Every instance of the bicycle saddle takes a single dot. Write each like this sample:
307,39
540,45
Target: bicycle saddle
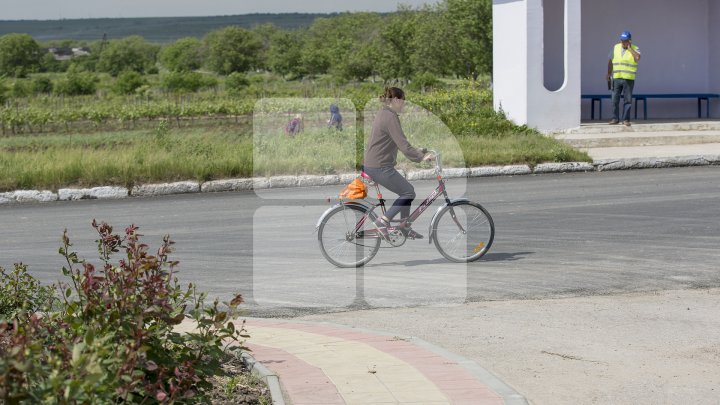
366,177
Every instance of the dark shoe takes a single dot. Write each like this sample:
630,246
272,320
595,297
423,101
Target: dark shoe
410,233
627,123
614,122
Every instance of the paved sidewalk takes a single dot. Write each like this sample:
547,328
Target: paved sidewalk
710,150
677,140
320,363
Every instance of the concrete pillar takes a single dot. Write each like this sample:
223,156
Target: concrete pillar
519,77
714,57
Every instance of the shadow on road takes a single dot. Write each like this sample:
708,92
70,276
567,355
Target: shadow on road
504,257
409,263
490,257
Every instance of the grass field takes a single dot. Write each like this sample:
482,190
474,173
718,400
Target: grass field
100,141
123,158
172,154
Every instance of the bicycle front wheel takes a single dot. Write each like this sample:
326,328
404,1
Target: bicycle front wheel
463,231
347,236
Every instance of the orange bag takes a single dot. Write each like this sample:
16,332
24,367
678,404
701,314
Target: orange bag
356,190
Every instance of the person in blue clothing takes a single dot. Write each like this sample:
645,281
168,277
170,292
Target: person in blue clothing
335,118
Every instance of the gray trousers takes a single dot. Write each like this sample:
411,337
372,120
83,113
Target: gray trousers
389,178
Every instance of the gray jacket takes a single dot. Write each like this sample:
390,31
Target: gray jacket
386,138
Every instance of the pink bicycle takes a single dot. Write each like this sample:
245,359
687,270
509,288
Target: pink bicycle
462,230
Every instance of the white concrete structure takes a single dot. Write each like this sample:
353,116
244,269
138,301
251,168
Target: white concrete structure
546,53
528,91
714,45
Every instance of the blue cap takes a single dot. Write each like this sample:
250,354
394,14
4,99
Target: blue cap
625,35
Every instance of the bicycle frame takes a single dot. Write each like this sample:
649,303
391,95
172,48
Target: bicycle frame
447,234
440,189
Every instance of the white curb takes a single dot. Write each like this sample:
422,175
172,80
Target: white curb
5,198
259,183
226,185
180,187
564,167
425,174
646,163
283,181
67,194
346,178
455,173
32,196
313,181
271,379
510,170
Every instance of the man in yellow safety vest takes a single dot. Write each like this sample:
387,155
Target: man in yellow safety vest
622,69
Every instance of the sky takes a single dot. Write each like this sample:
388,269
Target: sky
67,9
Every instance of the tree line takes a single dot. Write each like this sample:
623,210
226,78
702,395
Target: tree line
449,38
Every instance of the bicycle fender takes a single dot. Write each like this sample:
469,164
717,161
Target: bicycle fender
432,221
348,203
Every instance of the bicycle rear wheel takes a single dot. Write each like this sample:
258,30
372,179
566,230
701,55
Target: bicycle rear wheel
347,236
463,231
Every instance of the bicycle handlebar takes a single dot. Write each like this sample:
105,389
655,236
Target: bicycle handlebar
438,160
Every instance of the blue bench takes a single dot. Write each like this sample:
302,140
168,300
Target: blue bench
698,96
593,98
643,97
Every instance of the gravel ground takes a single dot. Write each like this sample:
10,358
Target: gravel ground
644,348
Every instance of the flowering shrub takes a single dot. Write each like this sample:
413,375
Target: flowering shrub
111,338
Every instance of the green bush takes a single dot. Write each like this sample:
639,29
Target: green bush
20,88
257,79
112,339
21,293
187,82
3,91
87,63
19,55
76,83
423,81
48,63
232,49
128,82
42,85
236,81
130,53
185,55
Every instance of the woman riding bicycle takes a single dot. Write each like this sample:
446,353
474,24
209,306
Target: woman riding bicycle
386,138
351,233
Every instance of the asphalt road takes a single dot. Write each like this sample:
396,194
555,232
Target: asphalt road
557,235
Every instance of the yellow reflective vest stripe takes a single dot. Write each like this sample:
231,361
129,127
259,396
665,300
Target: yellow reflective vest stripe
624,65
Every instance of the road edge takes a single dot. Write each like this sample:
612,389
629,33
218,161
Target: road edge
260,183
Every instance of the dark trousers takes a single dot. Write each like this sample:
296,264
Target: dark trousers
389,178
624,87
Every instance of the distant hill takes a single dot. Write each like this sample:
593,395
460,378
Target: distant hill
154,29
